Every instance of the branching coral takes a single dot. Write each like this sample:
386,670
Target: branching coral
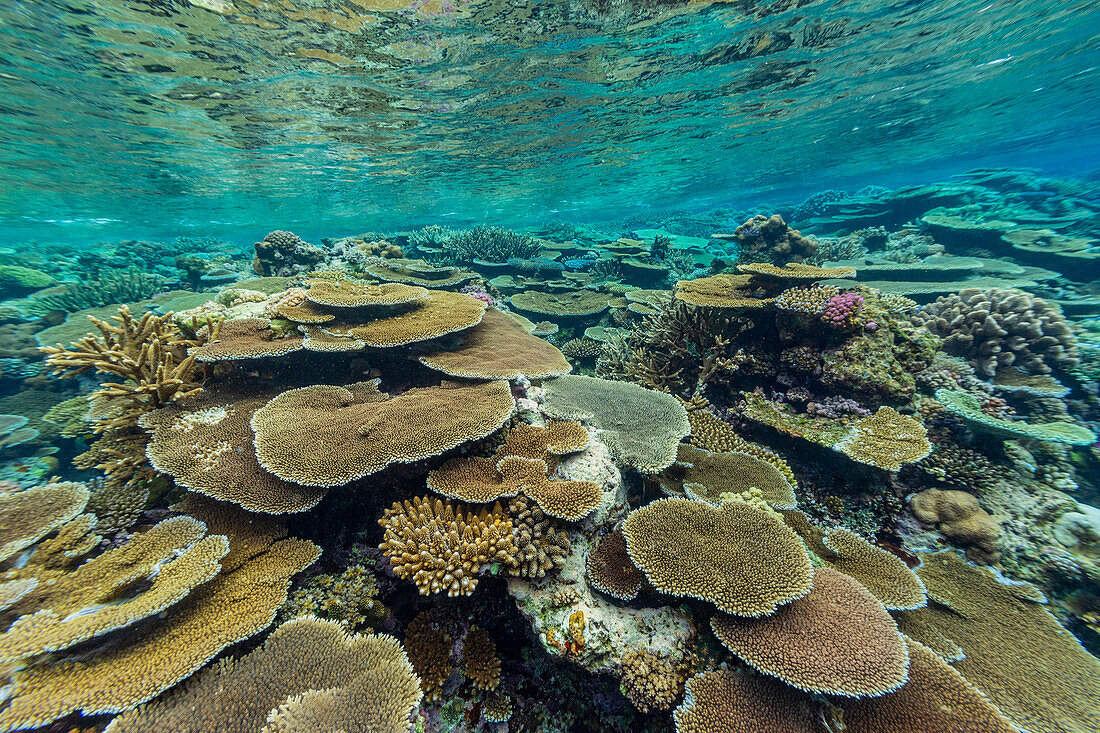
541,544
429,650
651,681
444,546
479,659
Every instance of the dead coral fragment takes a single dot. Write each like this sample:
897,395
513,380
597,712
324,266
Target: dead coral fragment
479,659
744,560
742,702
887,440
610,570
499,348
936,699
28,516
444,546
325,435
308,676
838,640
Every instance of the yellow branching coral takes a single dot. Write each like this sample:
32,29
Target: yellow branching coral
28,516
348,598
936,699
837,640
609,568
496,708
882,573
135,665
742,702
744,560
479,659
650,680
439,314
325,435
805,301
172,558
444,546
205,443
308,676
887,440
1016,652
499,348
429,650
541,544
705,476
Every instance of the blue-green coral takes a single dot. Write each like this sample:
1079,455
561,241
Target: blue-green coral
968,408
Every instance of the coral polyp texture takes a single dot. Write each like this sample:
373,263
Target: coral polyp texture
610,570
499,348
742,702
327,435
887,440
836,640
443,546
742,559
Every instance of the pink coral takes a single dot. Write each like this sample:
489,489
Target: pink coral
840,309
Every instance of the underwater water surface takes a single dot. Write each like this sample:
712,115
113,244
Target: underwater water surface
515,366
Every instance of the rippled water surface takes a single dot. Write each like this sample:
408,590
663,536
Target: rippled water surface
168,114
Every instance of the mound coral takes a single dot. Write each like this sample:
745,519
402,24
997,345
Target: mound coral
769,239
444,546
743,559
999,328
283,254
641,427
961,518
325,435
837,640
308,676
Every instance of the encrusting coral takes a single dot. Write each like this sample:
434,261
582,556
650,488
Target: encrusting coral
743,559
836,640
444,546
309,675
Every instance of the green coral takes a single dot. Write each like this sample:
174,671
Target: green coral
490,243
121,287
23,278
969,409
69,417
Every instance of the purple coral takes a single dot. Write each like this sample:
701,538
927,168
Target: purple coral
841,308
475,291
836,408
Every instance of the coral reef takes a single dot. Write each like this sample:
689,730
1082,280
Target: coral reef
769,239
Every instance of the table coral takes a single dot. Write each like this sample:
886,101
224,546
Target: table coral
610,570
499,348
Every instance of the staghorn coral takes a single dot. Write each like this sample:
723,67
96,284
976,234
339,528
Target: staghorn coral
29,515
651,681
968,408
640,427
743,559
492,244
429,650
325,435
309,675
541,544
886,440
609,569
882,573
998,328
837,640
127,286
149,658
206,444
705,475
729,701
936,699
1033,670
479,659
961,518
499,348
444,546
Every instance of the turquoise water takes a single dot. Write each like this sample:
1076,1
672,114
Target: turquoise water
142,119
585,366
